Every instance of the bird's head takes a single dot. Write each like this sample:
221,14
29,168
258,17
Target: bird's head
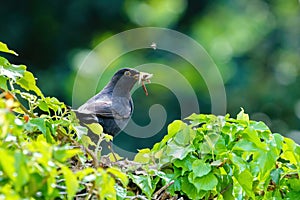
124,79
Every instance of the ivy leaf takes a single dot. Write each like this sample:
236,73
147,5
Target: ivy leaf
207,182
259,126
173,129
119,175
178,152
252,135
189,189
3,82
295,184
143,156
145,183
243,117
289,149
4,48
71,182
39,123
12,72
200,168
276,174
27,82
7,164
95,128
22,172
185,164
184,136
62,154
245,179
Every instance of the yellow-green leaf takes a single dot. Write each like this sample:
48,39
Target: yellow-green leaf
28,82
119,175
4,48
95,128
71,182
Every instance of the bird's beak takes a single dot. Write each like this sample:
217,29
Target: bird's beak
143,76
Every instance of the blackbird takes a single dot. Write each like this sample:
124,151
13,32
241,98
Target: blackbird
112,107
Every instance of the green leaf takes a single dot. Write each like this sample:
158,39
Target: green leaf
200,168
186,163
242,116
276,174
62,154
185,136
289,148
105,184
173,129
39,123
206,182
71,182
177,152
4,48
259,126
143,156
119,175
43,105
22,172
244,145
294,184
3,82
145,183
80,131
7,162
27,82
84,173
12,72
245,179
252,135
189,189
95,128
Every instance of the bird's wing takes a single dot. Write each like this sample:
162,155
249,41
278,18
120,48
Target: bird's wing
118,108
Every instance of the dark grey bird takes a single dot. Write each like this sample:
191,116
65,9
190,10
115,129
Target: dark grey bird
112,107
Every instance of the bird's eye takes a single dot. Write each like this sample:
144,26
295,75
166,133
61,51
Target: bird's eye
127,73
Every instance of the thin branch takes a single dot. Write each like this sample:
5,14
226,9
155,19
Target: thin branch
162,189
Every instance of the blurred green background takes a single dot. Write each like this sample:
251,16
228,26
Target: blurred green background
255,44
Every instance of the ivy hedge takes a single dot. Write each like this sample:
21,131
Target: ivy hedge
44,154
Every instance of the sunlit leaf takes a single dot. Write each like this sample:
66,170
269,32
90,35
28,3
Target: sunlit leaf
95,128
206,182
200,168
119,175
3,82
7,164
4,48
71,182
245,179
63,154
242,116
27,81
39,123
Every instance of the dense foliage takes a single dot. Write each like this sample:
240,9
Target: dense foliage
44,154
255,45
215,156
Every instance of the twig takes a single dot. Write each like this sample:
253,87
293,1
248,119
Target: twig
162,189
226,188
136,197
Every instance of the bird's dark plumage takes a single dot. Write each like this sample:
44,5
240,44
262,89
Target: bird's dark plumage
112,107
